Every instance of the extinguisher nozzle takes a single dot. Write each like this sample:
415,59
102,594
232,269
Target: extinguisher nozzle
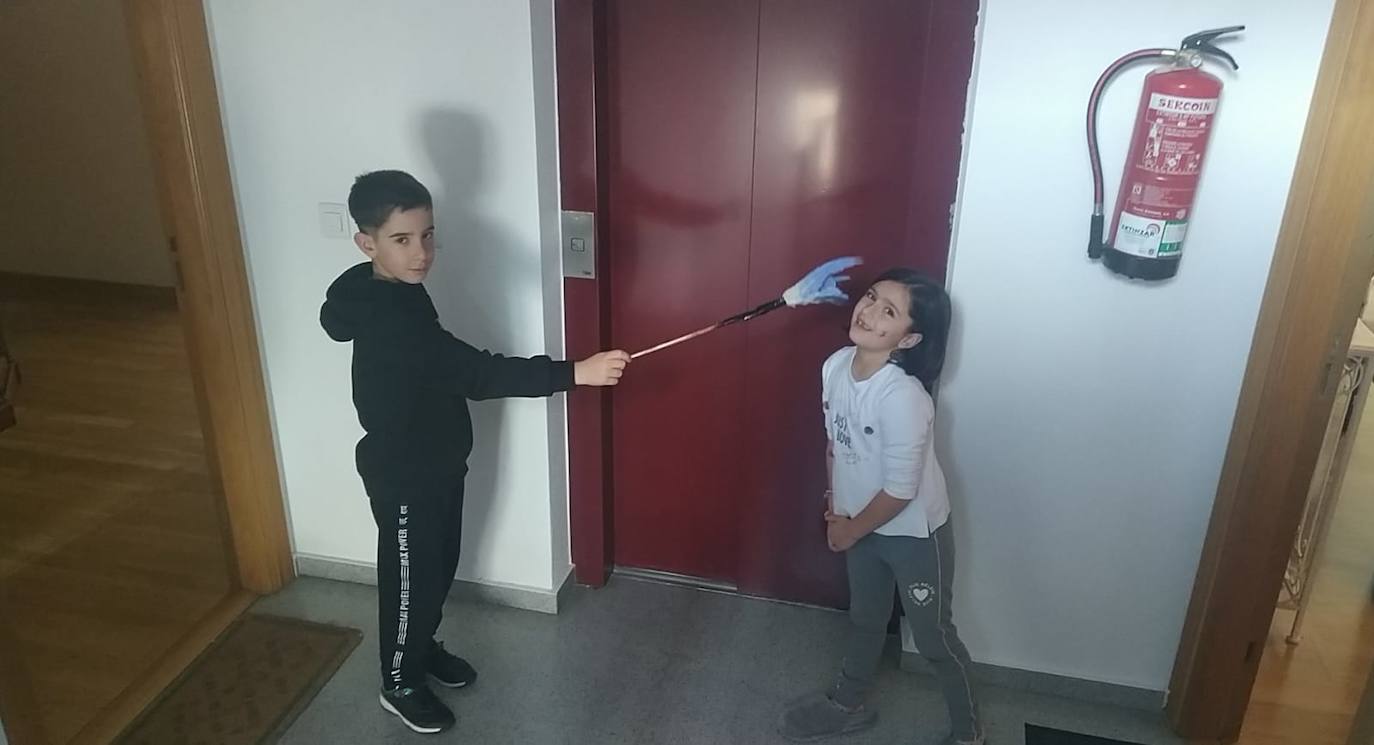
1095,241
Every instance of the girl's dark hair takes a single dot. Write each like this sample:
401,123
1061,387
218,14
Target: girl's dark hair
930,316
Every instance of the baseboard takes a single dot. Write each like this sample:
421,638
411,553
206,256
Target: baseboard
511,596
1078,689
565,589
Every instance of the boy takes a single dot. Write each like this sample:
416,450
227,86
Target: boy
411,383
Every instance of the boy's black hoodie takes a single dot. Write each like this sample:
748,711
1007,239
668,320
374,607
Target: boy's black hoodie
412,379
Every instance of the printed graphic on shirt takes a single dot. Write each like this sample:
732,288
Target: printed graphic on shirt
842,435
844,438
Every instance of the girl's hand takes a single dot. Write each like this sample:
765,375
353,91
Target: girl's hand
839,533
601,369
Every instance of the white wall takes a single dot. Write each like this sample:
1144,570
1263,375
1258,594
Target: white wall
1087,417
315,92
77,191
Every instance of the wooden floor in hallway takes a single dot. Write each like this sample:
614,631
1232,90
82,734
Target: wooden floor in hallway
111,539
1306,694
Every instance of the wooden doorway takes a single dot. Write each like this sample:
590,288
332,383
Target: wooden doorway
180,107
1321,269
172,48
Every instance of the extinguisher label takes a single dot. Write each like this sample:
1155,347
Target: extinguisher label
1178,133
1182,105
1172,242
1149,238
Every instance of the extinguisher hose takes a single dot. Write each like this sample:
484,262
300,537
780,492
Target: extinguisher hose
1096,241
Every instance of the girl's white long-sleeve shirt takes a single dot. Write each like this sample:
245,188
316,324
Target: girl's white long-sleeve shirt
883,433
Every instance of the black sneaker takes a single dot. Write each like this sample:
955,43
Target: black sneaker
448,669
419,708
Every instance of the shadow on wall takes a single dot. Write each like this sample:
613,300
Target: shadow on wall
478,276
945,421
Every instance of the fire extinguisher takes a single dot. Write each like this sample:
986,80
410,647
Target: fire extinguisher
1177,111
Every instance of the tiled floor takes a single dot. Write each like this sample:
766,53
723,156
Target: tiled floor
646,664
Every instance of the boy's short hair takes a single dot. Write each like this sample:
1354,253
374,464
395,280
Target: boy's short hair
377,194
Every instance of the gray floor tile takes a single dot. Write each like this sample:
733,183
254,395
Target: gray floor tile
638,663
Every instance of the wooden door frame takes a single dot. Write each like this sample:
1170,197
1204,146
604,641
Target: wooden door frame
1319,277
171,45
172,60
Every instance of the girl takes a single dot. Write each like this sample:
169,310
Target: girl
888,509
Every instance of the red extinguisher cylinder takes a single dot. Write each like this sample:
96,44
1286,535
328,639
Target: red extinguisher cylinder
1173,126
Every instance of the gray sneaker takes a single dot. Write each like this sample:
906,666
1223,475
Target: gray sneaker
817,717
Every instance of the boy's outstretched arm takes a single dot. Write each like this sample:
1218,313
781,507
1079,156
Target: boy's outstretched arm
479,375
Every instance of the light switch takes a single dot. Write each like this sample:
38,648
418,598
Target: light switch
333,220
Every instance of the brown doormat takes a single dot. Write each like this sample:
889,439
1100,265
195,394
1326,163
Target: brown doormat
248,686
